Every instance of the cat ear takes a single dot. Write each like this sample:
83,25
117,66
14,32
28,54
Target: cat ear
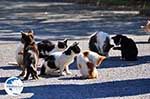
100,59
75,43
65,41
30,32
23,33
112,37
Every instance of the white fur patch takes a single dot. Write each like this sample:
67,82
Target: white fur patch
19,57
101,37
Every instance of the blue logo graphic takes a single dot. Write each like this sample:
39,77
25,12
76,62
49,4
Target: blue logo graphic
13,86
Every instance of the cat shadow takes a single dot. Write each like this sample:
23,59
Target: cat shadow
10,67
142,42
89,91
48,76
113,62
73,78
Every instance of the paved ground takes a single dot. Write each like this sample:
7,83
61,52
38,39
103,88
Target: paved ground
117,79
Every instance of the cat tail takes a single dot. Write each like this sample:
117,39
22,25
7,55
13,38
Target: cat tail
100,60
12,63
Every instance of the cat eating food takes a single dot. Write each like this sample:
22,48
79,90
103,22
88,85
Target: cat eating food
100,43
129,50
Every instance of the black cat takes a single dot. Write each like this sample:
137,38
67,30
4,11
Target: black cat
46,47
128,47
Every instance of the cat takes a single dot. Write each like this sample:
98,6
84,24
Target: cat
87,61
129,50
147,28
57,63
100,43
46,47
30,55
19,53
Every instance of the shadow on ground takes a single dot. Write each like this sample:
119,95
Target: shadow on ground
96,90
113,62
9,67
62,20
3,79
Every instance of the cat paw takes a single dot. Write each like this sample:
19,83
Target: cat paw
68,73
35,78
62,74
22,74
26,78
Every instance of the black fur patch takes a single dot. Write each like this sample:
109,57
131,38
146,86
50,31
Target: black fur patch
62,45
51,62
45,46
43,70
92,42
75,48
67,52
107,46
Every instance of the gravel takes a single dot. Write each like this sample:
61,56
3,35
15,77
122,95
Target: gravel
117,79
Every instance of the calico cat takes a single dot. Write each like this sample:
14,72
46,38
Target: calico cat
19,53
87,61
128,47
100,43
147,28
46,47
30,55
57,62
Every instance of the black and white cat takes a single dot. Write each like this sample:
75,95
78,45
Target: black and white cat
87,61
57,62
100,43
129,50
46,47
30,55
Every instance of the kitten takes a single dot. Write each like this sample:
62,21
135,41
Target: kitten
19,53
30,55
57,62
147,28
46,47
100,43
128,47
87,61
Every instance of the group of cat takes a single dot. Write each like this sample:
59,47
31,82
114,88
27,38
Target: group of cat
57,57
